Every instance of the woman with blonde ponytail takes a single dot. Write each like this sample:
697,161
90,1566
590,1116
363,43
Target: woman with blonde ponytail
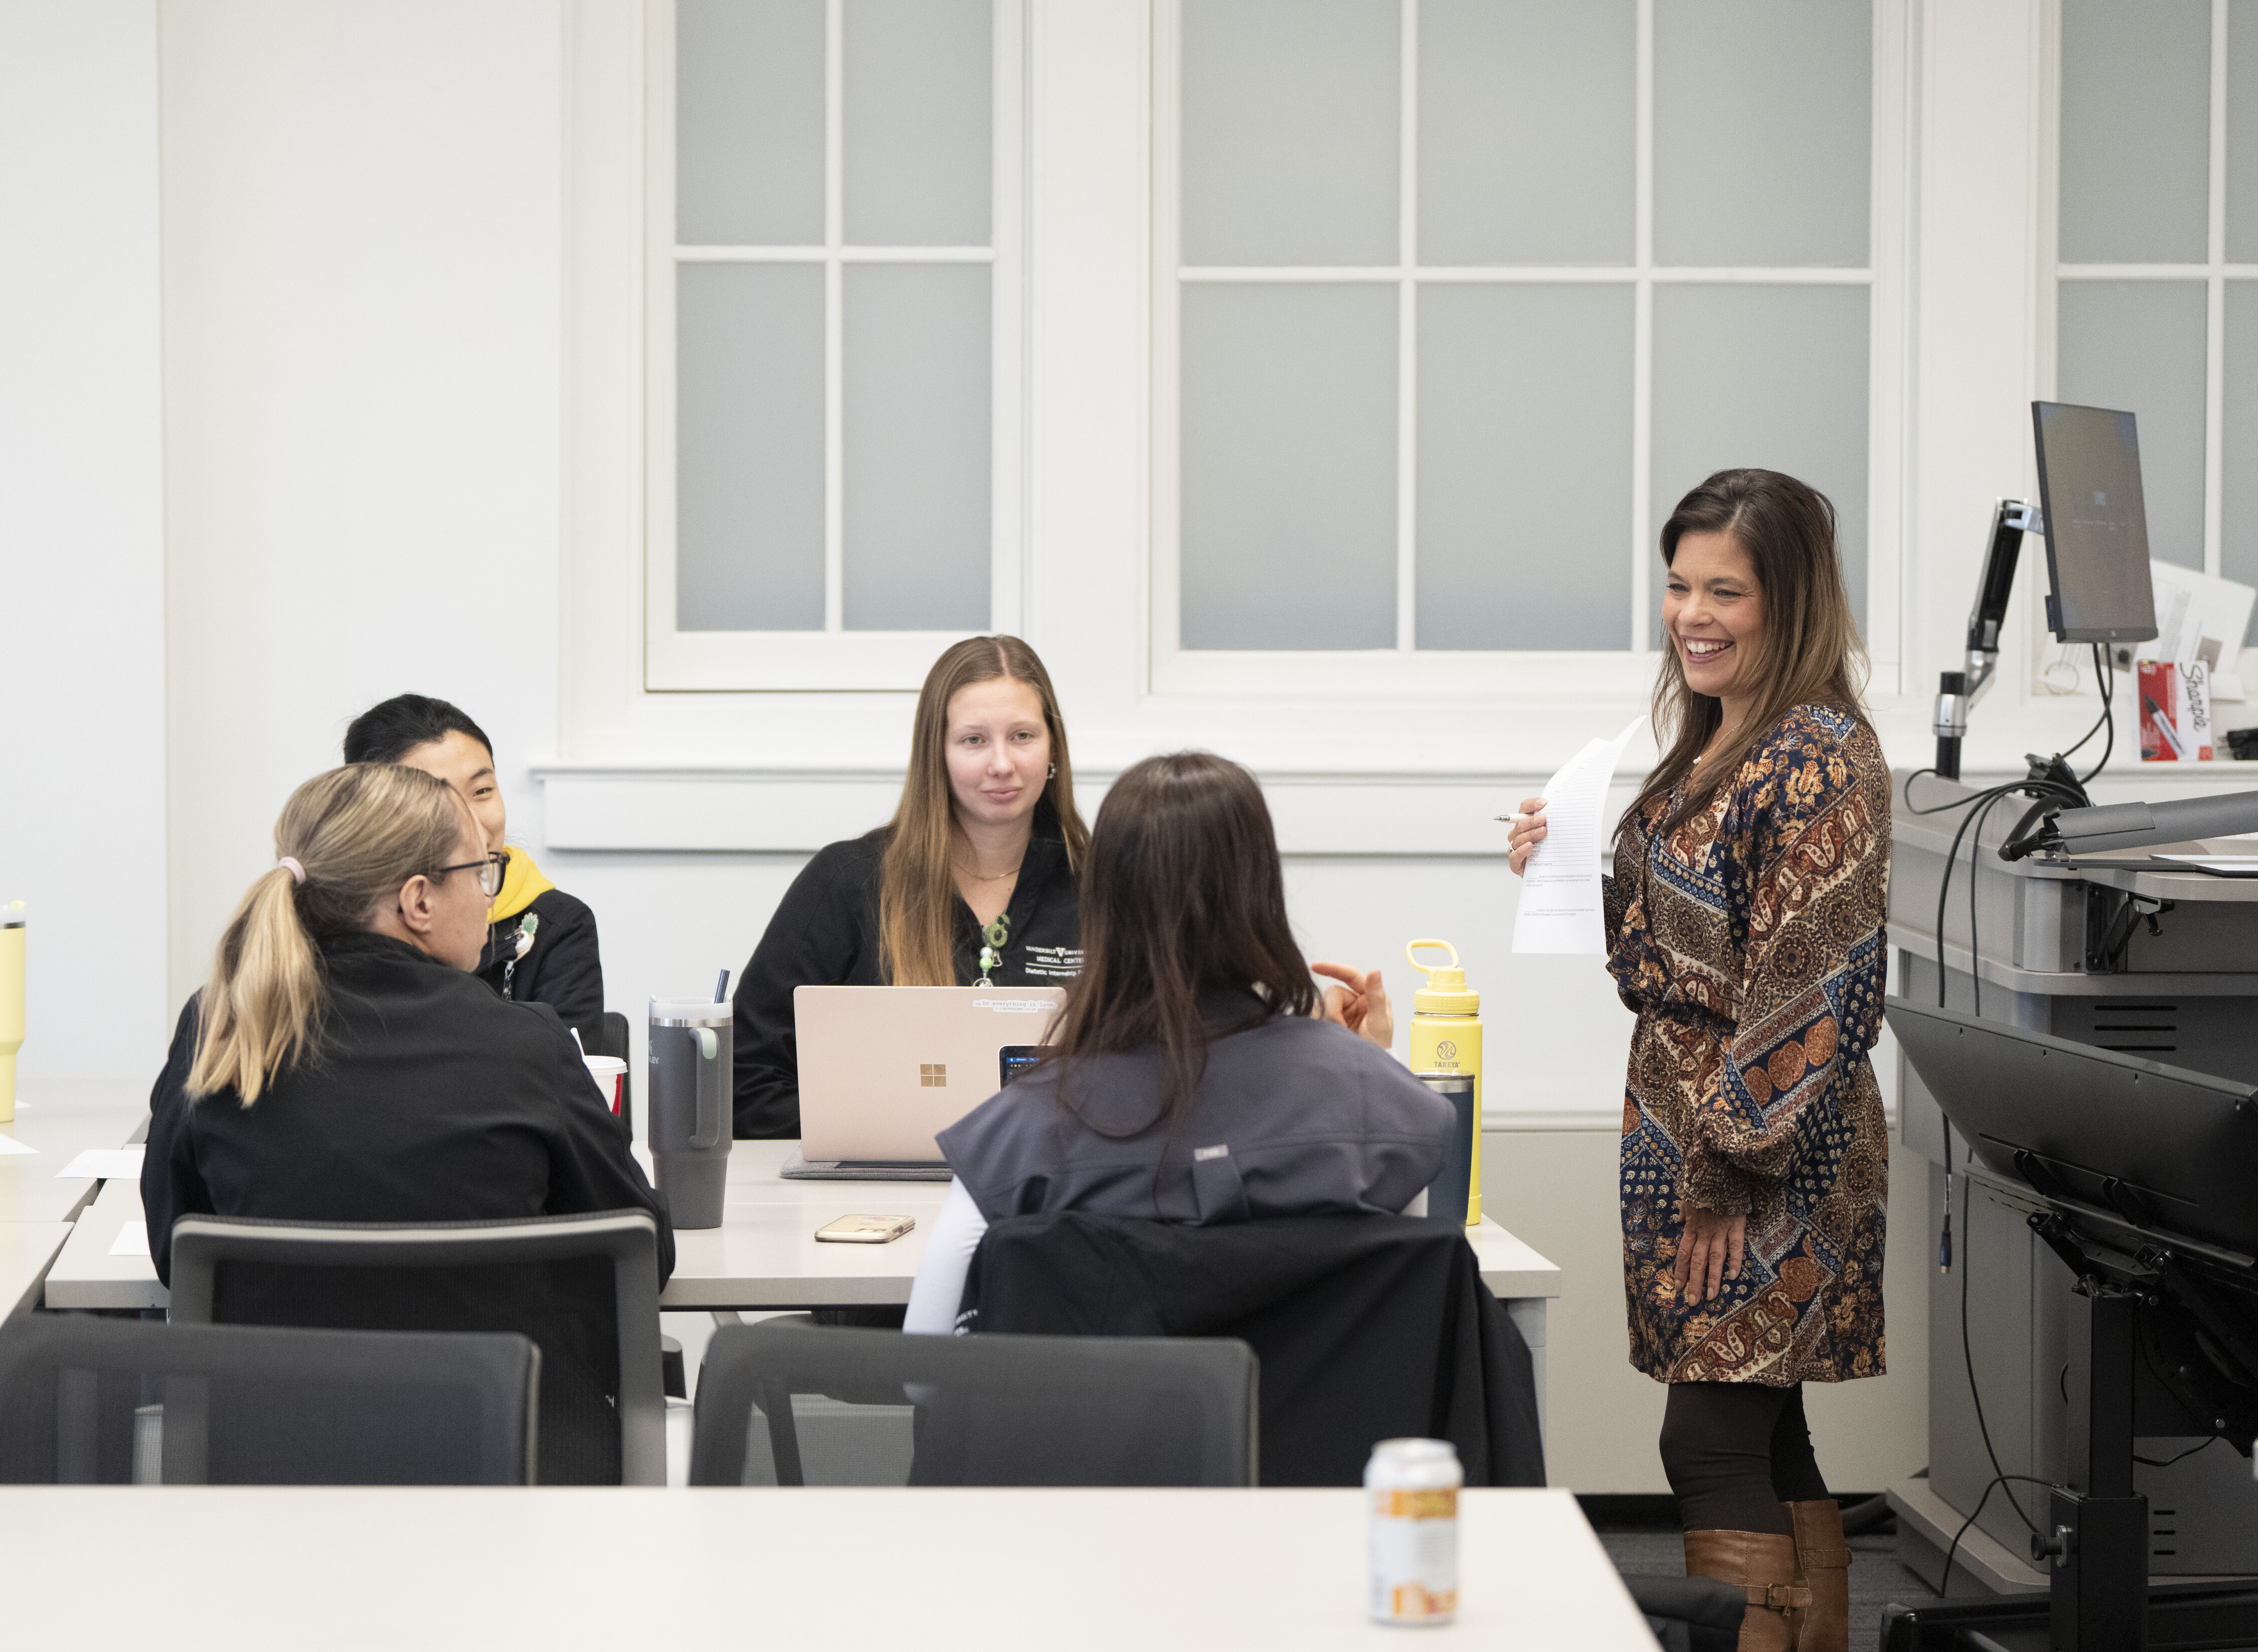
343,1063
973,879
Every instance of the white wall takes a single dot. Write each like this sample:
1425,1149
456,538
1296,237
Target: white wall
362,277
81,569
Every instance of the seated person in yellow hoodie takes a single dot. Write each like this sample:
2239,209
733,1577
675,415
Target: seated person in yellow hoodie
541,943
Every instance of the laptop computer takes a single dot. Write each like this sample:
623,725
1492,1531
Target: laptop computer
882,1070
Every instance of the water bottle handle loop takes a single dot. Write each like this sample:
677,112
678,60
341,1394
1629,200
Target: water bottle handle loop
709,1094
1411,950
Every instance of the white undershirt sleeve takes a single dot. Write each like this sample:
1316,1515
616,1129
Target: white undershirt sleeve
938,1287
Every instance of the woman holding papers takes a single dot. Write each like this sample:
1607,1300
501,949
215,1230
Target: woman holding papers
1745,929
972,881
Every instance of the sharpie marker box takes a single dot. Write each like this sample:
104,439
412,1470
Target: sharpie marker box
2175,711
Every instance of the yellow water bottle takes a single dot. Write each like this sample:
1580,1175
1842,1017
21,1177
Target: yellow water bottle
11,1004
1446,1035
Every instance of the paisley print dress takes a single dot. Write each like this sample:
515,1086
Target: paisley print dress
1750,942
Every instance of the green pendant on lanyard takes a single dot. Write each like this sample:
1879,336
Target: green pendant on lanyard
991,947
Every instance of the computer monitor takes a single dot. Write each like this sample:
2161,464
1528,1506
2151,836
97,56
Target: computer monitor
2097,524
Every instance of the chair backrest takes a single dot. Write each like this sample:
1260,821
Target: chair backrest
790,1404
1368,1327
584,1288
88,1401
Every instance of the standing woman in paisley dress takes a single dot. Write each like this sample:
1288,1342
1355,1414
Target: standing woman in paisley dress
1745,928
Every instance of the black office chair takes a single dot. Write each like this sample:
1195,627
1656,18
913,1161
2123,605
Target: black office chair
1368,1327
584,1288
797,1405
86,1401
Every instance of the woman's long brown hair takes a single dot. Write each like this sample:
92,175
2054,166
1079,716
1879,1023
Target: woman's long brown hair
917,888
1809,652
1182,893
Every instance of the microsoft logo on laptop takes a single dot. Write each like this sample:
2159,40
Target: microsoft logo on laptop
933,1074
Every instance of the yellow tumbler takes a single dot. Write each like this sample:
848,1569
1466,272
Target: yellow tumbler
1446,1036
11,1004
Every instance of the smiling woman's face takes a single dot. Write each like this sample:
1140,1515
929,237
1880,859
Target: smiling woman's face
1712,610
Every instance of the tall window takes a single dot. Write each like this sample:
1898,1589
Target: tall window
2156,237
834,302
1457,297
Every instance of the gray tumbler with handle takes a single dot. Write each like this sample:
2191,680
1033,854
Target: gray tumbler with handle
693,1116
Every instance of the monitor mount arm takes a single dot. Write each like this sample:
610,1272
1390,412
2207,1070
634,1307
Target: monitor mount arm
1958,691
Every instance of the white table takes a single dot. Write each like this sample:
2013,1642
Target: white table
245,1569
765,1255
27,1247
58,1130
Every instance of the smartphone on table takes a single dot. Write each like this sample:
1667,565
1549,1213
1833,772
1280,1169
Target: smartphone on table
865,1231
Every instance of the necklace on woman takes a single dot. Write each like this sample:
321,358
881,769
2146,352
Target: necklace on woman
992,877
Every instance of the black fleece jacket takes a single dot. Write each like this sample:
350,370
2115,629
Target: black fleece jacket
430,1101
824,933
562,969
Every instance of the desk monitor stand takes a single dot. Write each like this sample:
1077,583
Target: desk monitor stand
2129,1165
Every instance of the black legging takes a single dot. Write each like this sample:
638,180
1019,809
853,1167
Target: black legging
1734,1453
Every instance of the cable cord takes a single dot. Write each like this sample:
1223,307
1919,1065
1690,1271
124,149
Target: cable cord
1944,1580
1968,1354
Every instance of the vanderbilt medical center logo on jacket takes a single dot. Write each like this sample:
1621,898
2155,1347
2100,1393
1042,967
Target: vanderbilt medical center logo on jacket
1052,963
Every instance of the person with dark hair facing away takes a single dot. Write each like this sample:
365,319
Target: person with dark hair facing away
1194,1021
541,943
973,879
341,1066
1745,919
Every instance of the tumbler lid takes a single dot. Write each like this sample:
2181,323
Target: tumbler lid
688,1012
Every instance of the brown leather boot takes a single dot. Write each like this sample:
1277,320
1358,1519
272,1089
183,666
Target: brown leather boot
1825,1556
1763,1564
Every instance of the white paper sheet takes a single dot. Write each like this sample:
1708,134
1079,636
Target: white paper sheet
10,1145
2200,618
1561,909
107,1164
132,1240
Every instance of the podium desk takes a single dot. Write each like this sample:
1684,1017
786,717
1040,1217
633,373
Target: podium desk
248,1569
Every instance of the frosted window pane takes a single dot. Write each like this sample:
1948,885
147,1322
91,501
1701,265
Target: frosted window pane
2135,132
749,447
2242,132
918,439
1291,128
1763,113
2138,346
1525,466
919,90
1771,378
2238,549
1289,537
748,122
1528,112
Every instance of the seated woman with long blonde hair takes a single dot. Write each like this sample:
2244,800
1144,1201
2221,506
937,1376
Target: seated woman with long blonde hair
343,1063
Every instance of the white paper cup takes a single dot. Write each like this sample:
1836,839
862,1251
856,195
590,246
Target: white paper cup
610,1076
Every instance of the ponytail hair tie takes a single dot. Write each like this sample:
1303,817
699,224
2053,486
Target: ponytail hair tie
290,864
